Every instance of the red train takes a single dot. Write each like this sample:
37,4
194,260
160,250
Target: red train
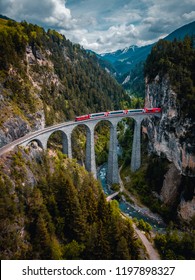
117,113
152,110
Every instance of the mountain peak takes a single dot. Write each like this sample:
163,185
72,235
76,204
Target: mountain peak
132,47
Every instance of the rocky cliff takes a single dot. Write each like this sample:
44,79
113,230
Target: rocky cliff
173,137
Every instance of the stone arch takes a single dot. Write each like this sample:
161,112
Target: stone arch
38,141
102,129
62,140
112,170
135,158
79,144
125,138
89,155
103,120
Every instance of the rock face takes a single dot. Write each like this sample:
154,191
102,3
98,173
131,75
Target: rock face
13,128
173,137
186,209
16,126
15,122
170,135
171,184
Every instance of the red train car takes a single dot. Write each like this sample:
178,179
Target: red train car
152,110
82,118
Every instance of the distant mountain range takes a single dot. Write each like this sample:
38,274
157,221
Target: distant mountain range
125,60
123,63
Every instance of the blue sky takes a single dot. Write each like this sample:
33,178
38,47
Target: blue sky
104,25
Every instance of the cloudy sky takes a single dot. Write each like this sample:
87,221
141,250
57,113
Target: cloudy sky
104,25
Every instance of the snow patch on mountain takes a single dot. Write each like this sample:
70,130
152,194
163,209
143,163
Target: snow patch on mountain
125,50
126,80
107,70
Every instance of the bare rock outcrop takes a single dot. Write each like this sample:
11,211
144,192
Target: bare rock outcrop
172,136
186,209
171,185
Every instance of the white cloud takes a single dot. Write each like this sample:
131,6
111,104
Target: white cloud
104,26
134,22
52,13
189,16
115,36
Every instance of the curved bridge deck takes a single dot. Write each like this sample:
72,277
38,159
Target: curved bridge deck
42,136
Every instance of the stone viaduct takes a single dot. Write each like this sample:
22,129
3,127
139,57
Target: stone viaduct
42,136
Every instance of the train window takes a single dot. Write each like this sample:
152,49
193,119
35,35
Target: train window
116,112
135,111
97,115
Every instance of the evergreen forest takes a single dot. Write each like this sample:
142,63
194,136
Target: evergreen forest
52,208
176,60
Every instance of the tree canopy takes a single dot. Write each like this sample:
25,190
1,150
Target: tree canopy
176,60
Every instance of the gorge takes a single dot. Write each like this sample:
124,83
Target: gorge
47,200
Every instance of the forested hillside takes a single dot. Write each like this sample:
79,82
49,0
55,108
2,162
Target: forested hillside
176,60
52,208
45,79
